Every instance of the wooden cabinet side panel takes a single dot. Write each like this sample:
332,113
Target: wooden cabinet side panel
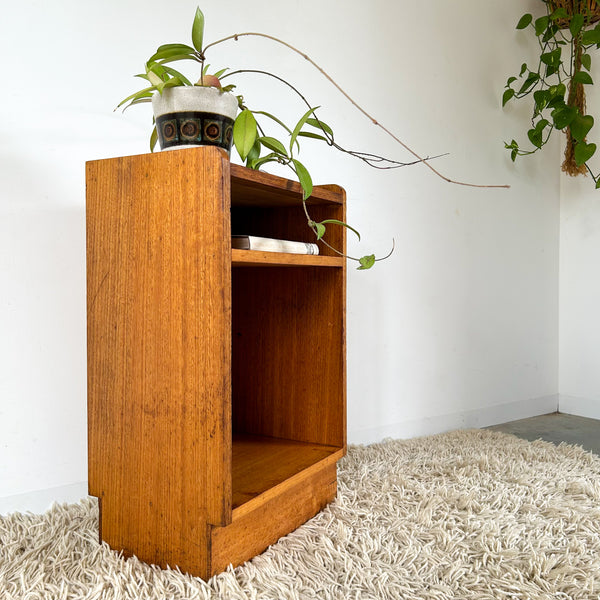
159,312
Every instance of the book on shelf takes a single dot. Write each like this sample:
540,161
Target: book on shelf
253,242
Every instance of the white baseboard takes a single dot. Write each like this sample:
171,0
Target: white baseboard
581,407
40,501
482,417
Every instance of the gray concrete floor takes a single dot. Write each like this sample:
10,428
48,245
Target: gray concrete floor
556,428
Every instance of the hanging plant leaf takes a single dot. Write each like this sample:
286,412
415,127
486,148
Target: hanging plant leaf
337,222
580,126
366,262
540,98
536,135
304,178
508,94
582,77
524,21
576,24
531,80
319,230
583,152
559,13
586,61
541,25
563,116
591,36
299,126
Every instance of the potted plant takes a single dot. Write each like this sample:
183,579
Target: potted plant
176,125
556,82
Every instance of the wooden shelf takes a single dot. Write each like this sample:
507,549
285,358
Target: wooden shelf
261,463
256,188
216,393
254,258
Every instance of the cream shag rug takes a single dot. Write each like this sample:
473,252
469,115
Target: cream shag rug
468,514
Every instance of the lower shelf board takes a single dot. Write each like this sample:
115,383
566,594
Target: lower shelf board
255,258
263,463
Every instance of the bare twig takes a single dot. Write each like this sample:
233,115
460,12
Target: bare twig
236,36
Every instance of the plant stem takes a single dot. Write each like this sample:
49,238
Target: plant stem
236,36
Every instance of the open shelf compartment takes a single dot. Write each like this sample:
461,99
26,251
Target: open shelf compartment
261,463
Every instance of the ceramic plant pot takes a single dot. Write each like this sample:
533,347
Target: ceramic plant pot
194,116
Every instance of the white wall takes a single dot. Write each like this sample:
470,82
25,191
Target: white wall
579,382
458,328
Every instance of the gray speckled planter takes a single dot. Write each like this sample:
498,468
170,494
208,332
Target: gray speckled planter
194,116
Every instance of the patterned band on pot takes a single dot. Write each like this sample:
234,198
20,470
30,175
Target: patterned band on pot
194,129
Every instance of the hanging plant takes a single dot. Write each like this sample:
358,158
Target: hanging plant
557,82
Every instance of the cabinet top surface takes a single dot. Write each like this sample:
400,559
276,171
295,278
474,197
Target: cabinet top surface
247,185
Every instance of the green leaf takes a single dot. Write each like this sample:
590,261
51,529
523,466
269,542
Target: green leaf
273,118
273,144
169,50
583,152
523,69
336,222
559,13
582,77
320,230
141,100
576,24
541,25
591,36
580,126
320,125
198,30
300,125
531,80
598,183
551,58
536,135
366,262
304,178
508,94
244,133
182,78
524,21
173,82
257,164
563,116
540,98
145,93
510,80
155,80
314,136
153,139
556,95
176,58
586,61
254,153
182,48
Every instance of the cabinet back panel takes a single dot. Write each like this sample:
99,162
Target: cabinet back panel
288,375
